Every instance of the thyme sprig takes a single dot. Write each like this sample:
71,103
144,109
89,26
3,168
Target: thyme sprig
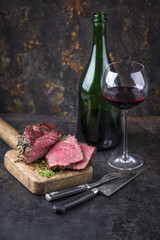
43,170
21,146
63,138
21,131
20,158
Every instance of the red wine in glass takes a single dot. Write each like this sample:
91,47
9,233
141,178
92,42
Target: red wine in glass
124,97
125,85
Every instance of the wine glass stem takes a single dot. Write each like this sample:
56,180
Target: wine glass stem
125,136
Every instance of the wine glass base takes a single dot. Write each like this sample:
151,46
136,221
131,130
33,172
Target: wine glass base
132,162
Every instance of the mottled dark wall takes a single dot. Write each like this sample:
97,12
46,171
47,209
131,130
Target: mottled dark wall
45,45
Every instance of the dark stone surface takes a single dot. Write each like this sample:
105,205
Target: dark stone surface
131,213
45,45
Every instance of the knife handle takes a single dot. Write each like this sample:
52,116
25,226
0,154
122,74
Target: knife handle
73,201
66,192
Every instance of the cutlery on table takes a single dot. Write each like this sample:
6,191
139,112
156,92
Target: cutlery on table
106,190
81,188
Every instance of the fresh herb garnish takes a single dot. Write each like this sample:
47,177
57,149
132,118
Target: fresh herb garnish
63,138
22,148
20,158
21,131
21,144
43,170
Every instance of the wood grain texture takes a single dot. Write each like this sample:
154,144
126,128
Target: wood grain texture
8,134
37,184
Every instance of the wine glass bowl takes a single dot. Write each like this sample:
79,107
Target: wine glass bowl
125,85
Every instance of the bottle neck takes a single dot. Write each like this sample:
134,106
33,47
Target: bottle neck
99,34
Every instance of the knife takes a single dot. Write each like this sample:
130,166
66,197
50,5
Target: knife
81,188
106,190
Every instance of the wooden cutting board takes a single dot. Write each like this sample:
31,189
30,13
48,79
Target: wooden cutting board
27,174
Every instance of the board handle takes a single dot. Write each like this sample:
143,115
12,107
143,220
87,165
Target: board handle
8,134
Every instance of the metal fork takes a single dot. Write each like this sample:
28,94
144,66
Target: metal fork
81,188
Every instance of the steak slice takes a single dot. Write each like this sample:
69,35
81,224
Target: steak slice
64,153
37,140
89,153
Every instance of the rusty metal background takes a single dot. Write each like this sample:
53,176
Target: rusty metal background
45,45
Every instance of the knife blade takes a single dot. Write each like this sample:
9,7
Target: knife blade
81,188
106,190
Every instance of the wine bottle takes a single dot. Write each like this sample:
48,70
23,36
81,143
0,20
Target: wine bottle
99,122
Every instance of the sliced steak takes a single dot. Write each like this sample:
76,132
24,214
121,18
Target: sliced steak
37,140
64,153
88,153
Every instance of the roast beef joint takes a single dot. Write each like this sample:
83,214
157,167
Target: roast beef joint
44,140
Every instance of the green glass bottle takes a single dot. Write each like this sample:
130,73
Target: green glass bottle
98,122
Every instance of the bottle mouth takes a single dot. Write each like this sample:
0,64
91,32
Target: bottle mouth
99,17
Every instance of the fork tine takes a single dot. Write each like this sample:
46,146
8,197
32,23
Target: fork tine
110,175
114,174
106,178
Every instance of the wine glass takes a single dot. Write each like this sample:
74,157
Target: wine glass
125,84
